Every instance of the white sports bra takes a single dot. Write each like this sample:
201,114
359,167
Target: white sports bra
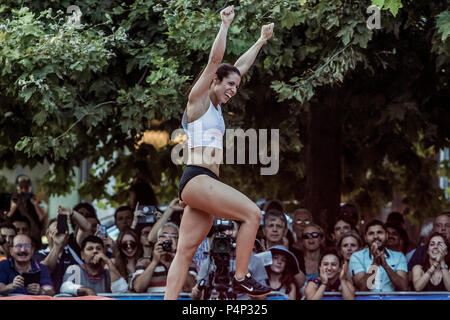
206,131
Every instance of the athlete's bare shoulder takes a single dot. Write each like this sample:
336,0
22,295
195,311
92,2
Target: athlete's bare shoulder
194,110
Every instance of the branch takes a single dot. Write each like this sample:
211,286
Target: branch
76,122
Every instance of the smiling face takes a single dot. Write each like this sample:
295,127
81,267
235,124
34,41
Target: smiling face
128,245
436,242
22,249
330,266
226,88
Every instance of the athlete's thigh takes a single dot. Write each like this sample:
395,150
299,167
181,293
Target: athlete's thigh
194,227
217,198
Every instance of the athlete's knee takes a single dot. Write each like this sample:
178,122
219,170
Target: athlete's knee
186,253
255,215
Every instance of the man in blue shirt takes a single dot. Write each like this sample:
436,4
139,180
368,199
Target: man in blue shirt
377,268
20,274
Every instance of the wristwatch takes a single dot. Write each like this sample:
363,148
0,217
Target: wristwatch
444,267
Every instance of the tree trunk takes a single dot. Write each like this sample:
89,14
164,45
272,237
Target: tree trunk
323,159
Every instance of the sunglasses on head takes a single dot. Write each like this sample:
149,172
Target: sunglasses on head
131,244
311,235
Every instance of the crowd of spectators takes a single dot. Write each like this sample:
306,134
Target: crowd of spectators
292,253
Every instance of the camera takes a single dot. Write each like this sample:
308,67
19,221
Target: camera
221,225
149,214
221,244
167,245
221,252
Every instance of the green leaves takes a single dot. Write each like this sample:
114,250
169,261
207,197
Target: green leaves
392,5
443,24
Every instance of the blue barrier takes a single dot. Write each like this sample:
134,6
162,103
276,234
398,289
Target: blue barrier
396,295
183,296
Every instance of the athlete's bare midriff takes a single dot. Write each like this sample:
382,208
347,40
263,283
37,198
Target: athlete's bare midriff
207,157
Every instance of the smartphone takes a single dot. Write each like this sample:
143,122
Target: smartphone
61,224
31,277
101,230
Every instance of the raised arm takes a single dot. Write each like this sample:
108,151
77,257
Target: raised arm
246,60
215,57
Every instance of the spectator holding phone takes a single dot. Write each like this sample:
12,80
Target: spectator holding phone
433,274
171,209
98,273
332,278
127,252
20,274
58,256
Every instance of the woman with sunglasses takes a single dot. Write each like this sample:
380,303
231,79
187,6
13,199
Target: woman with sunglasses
313,240
332,278
127,252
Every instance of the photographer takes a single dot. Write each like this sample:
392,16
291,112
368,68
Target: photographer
151,276
167,216
216,271
26,204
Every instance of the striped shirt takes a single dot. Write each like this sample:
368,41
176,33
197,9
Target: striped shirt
158,281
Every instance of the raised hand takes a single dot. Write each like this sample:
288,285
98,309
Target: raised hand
227,15
267,31
323,276
343,273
